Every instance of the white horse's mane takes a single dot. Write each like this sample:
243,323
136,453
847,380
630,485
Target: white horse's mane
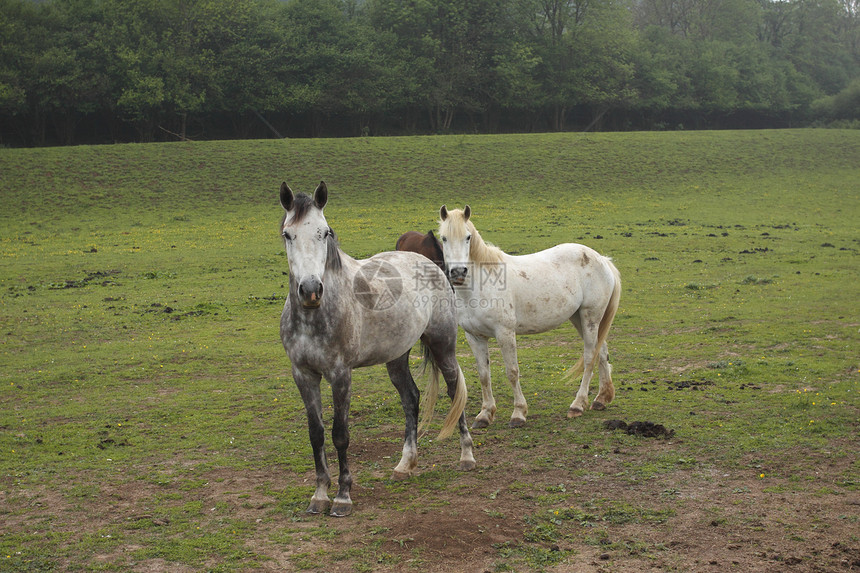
456,227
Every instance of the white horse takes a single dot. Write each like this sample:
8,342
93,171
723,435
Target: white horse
501,295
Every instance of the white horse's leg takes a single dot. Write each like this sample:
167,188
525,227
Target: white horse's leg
481,350
587,325
508,345
607,391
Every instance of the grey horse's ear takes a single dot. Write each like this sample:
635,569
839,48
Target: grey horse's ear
443,212
321,195
286,196
467,212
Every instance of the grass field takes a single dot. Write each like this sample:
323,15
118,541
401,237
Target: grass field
148,420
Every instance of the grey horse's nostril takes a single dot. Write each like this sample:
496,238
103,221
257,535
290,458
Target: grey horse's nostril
311,290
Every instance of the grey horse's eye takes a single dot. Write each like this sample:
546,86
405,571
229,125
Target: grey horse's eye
468,238
287,236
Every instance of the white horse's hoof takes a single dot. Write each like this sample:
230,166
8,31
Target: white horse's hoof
467,465
400,476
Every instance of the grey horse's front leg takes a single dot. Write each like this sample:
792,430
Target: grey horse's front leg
341,389
308,384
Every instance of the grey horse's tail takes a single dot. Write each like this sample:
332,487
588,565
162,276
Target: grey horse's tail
428,400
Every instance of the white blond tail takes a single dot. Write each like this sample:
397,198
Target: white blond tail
428,402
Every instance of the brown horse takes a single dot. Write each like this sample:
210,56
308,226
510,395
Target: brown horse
427,245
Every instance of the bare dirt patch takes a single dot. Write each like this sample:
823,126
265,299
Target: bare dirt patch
585,510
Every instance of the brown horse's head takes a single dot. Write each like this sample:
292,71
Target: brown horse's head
422,244
432,245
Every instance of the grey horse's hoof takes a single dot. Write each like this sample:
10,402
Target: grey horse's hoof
318,506
598,406
479,424
516,423
341,509
574,413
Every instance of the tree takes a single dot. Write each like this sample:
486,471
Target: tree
238,68
16,48
585,50
451,46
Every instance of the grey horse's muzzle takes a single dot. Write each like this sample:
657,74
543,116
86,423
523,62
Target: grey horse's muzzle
310,292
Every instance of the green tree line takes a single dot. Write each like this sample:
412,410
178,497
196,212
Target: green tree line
85,71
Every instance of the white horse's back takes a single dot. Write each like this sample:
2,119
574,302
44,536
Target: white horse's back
549,286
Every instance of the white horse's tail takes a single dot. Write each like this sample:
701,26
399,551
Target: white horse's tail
431,392
603,329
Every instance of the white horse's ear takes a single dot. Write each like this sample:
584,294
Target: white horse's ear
321,195
286,196
443,212
467,212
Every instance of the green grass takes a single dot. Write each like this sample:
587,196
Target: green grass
141,285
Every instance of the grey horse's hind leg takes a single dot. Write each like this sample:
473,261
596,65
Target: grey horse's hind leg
444,355
308,384
401,377
467,458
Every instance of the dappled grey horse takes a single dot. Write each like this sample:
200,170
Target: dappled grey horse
341,314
